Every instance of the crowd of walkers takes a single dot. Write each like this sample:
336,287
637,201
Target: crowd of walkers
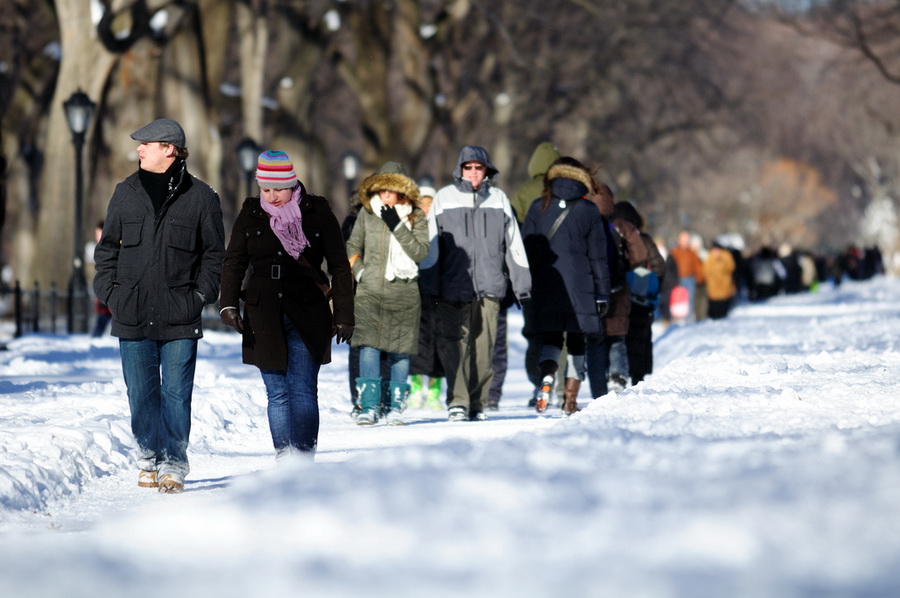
419,284
714,279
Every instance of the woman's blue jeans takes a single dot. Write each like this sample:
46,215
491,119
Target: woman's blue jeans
293,398
370,364
159,376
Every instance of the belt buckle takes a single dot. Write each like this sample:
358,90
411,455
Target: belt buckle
276,271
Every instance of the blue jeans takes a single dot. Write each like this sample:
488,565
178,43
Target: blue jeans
293,408
159,376
690,283
370,364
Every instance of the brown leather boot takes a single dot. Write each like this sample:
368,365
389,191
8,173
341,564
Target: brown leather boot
570,405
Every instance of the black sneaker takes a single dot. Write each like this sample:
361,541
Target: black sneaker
493,405
458,414
481,416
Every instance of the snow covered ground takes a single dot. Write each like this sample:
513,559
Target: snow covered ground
761,459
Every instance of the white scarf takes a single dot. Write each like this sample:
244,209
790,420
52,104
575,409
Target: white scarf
397,264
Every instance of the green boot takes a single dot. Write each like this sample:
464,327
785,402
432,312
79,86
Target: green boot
416,398
399,394
434,394
369,400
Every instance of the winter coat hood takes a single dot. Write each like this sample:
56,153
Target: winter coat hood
474,153
387,181
565,171
543,156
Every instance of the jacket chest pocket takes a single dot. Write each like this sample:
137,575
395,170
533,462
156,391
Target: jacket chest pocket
258,241
132,257
131,232
182,256
183,238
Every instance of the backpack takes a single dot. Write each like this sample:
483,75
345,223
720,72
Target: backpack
644,285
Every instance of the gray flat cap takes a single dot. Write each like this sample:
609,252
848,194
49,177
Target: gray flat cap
161,129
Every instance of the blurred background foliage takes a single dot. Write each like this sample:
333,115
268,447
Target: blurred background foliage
777,121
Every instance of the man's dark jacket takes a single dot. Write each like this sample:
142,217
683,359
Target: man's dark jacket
157,271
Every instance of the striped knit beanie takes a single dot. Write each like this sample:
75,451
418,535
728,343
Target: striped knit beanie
274,170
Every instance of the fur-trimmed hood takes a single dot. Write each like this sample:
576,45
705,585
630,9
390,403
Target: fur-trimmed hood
388,181
566,171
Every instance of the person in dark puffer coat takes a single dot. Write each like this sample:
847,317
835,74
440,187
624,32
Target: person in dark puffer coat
565,240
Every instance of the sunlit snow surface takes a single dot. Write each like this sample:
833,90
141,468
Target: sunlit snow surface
761,459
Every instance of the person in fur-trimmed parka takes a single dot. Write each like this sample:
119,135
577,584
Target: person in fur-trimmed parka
389,239
565,237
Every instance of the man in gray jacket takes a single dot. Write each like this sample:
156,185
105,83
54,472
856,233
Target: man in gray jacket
475,252
159,261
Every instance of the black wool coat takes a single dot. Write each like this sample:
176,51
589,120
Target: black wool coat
279,286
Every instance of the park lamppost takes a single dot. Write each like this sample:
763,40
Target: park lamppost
350,166
248,154
79,111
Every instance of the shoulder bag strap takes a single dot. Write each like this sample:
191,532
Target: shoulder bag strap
558,222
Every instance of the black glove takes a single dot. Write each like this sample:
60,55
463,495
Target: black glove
231,317
343,332
602,307
390,216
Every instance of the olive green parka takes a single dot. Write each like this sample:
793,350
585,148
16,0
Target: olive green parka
387,311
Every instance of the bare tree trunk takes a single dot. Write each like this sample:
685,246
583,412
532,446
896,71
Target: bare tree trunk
253,33
85,66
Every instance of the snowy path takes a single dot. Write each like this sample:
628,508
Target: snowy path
761,459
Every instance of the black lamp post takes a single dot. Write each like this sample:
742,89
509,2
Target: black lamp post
350,167
79,111
248,153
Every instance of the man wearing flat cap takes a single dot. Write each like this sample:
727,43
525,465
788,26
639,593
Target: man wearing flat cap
159,261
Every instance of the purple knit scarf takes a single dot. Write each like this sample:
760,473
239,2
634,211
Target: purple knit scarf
287,224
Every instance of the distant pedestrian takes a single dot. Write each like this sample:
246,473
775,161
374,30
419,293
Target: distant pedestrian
101,310
720,287
526,194
425,367
690,269
646,291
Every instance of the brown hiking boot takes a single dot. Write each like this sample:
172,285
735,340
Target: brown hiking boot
147,479
171,483
570,405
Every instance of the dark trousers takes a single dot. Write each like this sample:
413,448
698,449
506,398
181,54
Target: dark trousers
500,360
639,343
718,309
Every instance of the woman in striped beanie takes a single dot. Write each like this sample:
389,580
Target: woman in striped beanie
282,237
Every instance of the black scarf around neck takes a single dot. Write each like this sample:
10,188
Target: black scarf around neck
159,185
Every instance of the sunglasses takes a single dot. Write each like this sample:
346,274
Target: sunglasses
474,167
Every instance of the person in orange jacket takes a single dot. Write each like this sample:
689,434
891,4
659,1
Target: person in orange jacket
690,268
